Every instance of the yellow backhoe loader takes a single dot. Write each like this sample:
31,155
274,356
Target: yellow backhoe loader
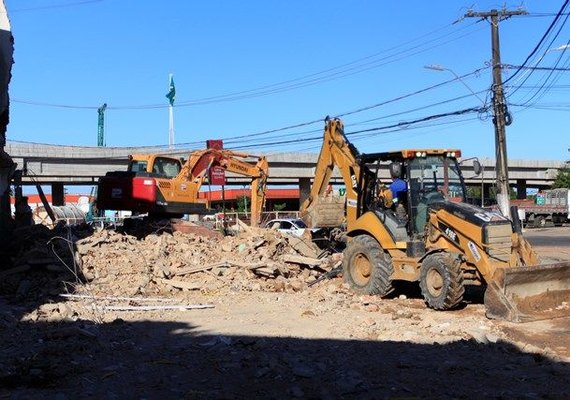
434,237
166,186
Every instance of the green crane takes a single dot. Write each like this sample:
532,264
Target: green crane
93,211
101,125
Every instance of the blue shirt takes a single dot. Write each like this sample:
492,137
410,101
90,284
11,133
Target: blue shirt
397,187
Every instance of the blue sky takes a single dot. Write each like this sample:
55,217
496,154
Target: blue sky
249,67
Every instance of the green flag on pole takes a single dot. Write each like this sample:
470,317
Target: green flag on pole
171,95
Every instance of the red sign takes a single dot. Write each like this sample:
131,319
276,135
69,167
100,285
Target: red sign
217,144
217,174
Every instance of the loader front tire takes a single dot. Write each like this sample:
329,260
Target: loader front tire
441,281
367,268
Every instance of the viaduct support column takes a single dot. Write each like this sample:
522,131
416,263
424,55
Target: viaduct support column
57,194
521,189
304,189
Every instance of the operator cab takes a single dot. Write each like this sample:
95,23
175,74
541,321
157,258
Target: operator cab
155,166
431,176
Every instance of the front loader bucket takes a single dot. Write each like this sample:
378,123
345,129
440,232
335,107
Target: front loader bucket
522,294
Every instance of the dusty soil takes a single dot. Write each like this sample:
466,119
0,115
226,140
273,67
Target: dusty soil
268,335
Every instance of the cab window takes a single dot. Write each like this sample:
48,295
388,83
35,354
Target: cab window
138,166
286,225
166,167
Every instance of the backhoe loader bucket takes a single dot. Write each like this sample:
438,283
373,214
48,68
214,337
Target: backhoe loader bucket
523,294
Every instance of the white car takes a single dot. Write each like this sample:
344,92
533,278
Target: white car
295,227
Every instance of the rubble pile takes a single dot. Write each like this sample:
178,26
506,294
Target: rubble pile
39,259
166,263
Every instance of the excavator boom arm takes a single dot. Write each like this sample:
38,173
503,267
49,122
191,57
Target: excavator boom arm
336,151
258,174
200,162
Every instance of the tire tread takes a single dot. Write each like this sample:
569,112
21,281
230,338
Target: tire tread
380,282
450,268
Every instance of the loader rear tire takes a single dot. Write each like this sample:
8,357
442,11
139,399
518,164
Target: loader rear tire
441,281
367,268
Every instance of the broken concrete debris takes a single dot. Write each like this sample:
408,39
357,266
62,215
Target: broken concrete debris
120,264
154,261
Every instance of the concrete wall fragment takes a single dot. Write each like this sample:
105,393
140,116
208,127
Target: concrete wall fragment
7,165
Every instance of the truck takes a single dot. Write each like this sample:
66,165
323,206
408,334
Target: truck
550,206
165,186
442,243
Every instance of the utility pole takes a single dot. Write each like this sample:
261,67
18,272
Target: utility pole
101,125
499,106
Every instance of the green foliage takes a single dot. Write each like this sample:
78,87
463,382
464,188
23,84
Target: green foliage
474,192
243,203
279,207
562,179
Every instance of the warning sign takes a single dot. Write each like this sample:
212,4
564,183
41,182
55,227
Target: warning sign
217,174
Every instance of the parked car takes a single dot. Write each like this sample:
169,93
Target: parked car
289,226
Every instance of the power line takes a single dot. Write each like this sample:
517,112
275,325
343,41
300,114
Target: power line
553,74
415,121
510,66
359,134
79,3
541,15
480,110
551,107
410,94
362,109
540,42
248,137
483,109
38,103
326,75
399,125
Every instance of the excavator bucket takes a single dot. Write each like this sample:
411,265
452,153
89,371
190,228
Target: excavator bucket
523,294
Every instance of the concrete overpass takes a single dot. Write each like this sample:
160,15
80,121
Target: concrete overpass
74,165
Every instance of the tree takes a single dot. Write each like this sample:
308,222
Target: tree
473,194
562,179
279,207
243,203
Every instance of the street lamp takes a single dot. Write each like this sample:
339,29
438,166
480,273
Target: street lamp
437,67
559,48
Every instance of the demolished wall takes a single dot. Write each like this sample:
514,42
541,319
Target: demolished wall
7,165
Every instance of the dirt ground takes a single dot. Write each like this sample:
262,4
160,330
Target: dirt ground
259,336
